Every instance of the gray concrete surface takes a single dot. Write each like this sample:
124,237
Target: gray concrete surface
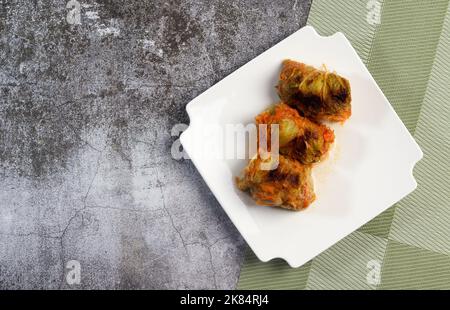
85,115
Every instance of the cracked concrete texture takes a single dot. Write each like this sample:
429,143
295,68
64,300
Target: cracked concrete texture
85,115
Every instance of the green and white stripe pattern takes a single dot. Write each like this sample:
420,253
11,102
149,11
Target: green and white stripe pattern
408,246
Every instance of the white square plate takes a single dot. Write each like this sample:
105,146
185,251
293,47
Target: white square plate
368,170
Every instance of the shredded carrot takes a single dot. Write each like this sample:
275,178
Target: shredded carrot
328,135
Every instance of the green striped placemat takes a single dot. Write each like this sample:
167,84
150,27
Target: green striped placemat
405,45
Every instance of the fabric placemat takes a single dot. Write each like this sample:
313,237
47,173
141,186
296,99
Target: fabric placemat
405,45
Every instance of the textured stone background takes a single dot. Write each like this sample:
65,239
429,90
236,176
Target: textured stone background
85,118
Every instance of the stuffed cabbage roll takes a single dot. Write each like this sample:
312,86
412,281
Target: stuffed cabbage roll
299,138
316,94
288,186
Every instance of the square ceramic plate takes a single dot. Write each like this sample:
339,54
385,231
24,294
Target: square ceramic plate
368,170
